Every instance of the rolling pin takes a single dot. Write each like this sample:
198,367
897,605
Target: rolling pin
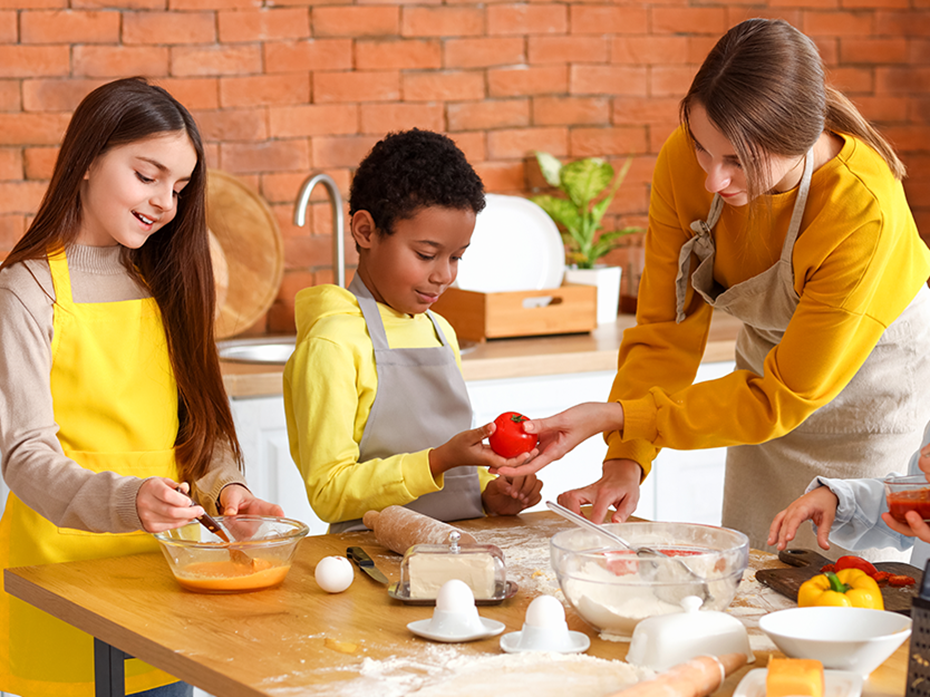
698,677
399,528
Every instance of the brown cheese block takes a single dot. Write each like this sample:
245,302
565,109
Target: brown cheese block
399,528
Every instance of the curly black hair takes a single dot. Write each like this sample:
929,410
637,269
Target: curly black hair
409,170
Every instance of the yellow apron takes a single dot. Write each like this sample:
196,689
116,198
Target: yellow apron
116,404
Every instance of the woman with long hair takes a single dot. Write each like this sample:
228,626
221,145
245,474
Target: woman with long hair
777,202
113,415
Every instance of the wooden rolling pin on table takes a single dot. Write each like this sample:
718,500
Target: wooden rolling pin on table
297,639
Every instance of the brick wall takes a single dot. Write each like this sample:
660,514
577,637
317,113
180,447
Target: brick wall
281,89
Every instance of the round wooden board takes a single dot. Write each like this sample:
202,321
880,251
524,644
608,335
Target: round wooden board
253,247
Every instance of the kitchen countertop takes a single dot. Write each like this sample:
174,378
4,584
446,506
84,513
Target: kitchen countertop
298,640
509,358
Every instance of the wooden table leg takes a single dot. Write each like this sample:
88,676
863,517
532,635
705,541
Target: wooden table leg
109,670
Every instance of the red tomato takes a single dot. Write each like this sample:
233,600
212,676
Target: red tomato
509,439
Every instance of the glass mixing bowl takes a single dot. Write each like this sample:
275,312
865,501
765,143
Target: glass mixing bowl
258,556
614,589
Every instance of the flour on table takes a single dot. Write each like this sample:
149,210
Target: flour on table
442,671
527,558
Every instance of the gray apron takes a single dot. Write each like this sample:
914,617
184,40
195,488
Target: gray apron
421,402
871,428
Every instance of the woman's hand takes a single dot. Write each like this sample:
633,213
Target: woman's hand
162,506
561,433
235,499
505,496
617,487
818,506
469,449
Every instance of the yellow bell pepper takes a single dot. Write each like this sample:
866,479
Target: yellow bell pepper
846,588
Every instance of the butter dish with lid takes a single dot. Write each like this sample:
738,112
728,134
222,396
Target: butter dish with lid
425,568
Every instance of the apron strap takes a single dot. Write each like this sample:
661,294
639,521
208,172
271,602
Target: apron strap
61,279
700,245
804,189
372,315
369,307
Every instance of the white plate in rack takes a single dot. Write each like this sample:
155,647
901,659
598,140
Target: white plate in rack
836,683
516,246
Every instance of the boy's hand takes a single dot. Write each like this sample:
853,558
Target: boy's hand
469,449
916,526
818,506
505,496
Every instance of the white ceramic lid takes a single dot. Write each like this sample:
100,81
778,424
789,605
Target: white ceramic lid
664,641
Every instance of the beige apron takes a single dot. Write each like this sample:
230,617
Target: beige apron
421,402
868,430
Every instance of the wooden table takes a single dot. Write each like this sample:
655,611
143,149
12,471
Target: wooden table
298,640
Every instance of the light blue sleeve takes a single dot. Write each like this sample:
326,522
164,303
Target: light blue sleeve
859,523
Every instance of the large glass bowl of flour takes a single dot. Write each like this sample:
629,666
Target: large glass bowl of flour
614,589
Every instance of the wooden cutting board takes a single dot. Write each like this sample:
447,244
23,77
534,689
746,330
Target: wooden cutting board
806,564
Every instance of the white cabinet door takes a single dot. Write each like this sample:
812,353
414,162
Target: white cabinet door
269,469
689,483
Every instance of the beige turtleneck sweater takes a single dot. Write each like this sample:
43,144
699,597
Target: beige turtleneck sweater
34,465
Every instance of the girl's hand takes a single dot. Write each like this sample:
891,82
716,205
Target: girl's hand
818,506
617,487
469,449
235,499
916,526
505,496
162,507
561,433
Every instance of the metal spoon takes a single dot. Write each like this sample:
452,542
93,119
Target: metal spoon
701,590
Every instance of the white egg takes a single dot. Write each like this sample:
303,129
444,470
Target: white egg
545,611
334,574
455,596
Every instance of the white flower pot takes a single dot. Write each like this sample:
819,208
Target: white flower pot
607,280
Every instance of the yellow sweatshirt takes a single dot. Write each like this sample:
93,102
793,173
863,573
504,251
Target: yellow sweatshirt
858,262
330,384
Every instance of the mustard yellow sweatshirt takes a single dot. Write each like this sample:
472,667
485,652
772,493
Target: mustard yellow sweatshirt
858,262
330,383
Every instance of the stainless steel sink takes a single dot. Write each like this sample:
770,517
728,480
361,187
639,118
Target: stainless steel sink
274,350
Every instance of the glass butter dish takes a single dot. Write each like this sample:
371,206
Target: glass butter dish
426,567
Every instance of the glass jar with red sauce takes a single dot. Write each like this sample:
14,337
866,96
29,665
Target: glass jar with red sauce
910,493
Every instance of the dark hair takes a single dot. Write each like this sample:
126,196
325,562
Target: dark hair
174,263
763,87
409,170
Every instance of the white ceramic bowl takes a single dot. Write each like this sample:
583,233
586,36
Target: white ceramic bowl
614,590
842,638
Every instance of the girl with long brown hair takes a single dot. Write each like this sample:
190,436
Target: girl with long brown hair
774,201
110,387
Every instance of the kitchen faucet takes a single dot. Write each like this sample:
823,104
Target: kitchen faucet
335,200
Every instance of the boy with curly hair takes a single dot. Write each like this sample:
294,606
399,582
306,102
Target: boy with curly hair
377,410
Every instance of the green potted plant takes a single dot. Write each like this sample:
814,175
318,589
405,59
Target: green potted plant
589,185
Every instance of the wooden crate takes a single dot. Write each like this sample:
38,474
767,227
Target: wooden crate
478,316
